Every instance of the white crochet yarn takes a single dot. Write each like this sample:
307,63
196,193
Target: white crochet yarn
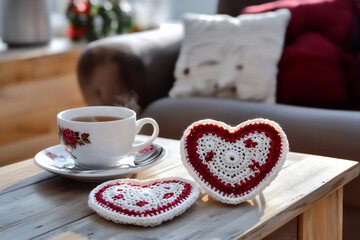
144,203
231,57
233,162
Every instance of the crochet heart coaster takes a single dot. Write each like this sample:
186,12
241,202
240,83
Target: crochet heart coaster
233,164
144,203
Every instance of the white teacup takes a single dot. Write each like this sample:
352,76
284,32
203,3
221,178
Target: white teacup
103,142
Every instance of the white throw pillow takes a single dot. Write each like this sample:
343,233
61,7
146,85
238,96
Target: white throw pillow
235,57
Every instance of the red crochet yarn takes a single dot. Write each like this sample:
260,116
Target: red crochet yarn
148,212
240,188
143,202
233,164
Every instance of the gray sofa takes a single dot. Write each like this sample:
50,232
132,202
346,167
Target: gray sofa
136,71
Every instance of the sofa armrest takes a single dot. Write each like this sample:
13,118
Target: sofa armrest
130,70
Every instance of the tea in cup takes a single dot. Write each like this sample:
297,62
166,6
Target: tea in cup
100,136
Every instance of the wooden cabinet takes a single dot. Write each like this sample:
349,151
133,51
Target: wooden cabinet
35,84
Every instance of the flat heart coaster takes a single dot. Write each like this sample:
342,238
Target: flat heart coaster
233,164
144,203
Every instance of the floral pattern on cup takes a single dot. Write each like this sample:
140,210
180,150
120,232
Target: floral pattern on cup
73,138
147,149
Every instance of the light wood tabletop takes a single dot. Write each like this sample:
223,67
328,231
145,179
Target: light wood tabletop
35,204
34,81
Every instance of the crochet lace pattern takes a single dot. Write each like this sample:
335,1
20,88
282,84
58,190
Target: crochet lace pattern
234,164
145,203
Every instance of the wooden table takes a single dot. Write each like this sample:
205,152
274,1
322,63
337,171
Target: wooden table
37,204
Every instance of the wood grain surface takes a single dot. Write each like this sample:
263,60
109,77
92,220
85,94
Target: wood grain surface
45,206
323,220
35,84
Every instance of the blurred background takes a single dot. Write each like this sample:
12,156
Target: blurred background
40,44
145,13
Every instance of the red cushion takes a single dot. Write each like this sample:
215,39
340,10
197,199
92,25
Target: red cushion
312,73
332,18
315,70
355,85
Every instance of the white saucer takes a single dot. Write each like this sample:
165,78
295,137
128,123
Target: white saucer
54,159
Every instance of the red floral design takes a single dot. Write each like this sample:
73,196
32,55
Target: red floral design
209,156
147,149
250,143
69,136
119,196
168,195
51,155
85,136
72,138
141,203
255,166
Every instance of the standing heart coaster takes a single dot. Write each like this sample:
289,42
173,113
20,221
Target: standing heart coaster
145,203
234,164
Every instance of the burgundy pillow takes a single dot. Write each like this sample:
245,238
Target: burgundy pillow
314,69
355,85
312,73
335,19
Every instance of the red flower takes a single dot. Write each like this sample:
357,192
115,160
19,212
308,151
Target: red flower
69,136
84,136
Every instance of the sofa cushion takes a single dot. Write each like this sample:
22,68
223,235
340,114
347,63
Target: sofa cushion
312,73
223,56
356,84
316,68
334,19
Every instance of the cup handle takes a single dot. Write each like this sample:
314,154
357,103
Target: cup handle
139,124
